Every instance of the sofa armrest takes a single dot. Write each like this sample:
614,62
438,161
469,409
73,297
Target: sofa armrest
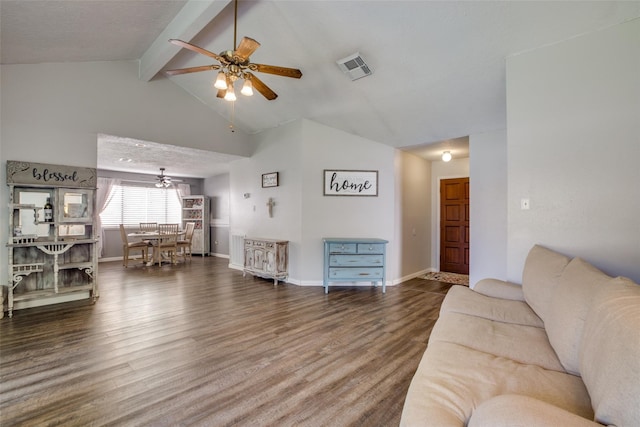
499,289
514,410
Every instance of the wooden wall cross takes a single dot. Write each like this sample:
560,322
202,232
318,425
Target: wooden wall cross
270,204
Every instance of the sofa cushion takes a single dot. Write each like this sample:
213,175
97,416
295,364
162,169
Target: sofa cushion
452,380
541,271
524,344
610,354
510,410
499,289
461,299
577,286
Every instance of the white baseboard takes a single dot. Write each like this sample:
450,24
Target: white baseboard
219,255
111,259
299,282
413,275
119,258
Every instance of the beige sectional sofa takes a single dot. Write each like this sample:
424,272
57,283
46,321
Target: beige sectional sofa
563,349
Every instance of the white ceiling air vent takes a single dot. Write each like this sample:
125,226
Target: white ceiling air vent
354,66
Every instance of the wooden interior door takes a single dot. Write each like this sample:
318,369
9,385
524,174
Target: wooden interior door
454,225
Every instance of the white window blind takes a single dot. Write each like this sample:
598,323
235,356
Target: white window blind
132,204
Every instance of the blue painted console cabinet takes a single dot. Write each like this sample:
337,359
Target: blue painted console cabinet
354,260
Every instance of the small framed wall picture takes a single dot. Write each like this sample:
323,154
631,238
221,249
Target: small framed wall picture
270,179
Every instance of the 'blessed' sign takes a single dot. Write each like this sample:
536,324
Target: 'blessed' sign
27,173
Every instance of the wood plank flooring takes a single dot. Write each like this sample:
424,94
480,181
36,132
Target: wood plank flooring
198,344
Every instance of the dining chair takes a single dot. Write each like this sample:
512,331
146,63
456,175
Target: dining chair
167,243
184,245
149,226
143,247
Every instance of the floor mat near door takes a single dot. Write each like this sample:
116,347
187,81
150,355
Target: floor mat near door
457,279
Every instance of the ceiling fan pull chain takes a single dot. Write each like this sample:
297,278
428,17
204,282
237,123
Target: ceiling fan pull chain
233,115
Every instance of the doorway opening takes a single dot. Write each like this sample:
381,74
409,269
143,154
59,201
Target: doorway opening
454,225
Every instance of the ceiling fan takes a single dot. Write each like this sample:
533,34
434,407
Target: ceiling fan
235,65
165,181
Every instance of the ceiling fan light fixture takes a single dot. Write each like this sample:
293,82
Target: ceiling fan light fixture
247,88
446,156
164,181
221,81
236,64
230,95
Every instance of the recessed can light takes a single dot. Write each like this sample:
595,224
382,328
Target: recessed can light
125,160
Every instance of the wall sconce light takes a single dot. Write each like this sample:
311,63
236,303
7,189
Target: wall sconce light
446,156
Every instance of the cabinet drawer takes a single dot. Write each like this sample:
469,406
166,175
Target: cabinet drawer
342,248
254,243
370,248
351,273
356,261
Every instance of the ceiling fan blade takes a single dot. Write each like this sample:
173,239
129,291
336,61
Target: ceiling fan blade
221,93
278,71
192,69
246,48
197,49
262,88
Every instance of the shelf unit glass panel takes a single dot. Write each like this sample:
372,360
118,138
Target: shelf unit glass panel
31,221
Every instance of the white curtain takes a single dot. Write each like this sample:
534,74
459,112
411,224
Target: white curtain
183,190
103,196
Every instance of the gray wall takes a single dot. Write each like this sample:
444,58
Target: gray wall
413,210
217,188
573,116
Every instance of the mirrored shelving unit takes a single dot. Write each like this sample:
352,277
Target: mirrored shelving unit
51,258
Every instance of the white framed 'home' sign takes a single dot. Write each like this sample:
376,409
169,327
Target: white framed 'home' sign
350,182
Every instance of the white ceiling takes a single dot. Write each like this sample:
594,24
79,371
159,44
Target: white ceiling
132,155
438,66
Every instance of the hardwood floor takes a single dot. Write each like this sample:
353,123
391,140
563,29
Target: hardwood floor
199,344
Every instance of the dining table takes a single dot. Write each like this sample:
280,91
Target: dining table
153,236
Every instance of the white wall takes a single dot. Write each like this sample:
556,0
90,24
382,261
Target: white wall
60,108
300,151
332,216
456,168
573,115
278,150
488,177
52,113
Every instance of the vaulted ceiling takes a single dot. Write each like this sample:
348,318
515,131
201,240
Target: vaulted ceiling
438,66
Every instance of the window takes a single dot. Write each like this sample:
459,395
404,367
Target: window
131,204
